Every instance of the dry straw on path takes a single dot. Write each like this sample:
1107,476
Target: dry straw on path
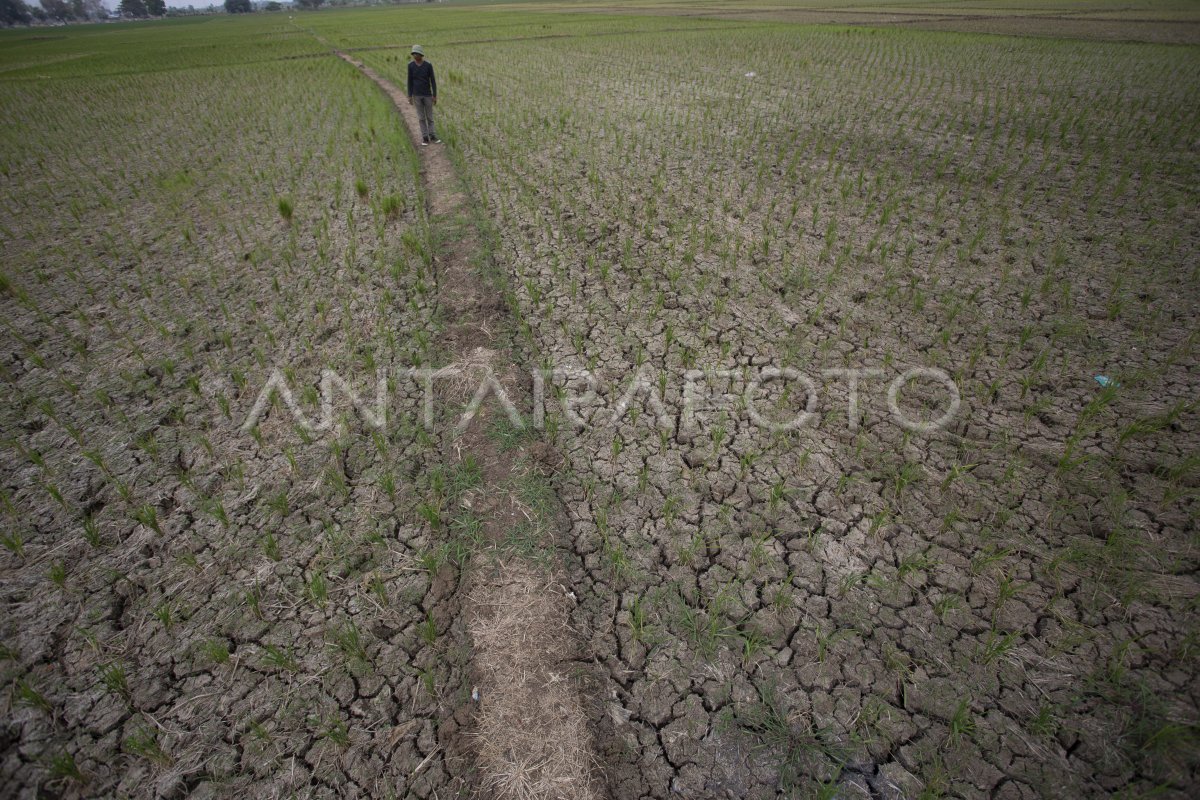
530,737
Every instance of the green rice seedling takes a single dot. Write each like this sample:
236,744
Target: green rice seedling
253,598
827,640
24,694
962,723
617,560
391,205
143,743
427,629
278,503
707,628
428,680
316,589
638,619
431,513
14,542
795,740
782,599
335,479
216,651
112,675
672,505
62,767
906,475
349,641
260,732
759,555
275,656
432,559
380,591
1044,723
1147,426
987,558
338,733
946,604
956,472
216,509
852,581
270,547
147,515
286,208
778,494
165,614
996,646
753,644
915,562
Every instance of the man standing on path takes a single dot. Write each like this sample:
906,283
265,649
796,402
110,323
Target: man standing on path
422,93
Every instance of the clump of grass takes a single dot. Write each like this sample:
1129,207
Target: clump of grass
507,435
285,208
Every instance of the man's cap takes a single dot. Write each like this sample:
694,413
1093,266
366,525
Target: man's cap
417,51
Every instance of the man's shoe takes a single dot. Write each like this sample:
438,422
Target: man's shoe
434,140
424,141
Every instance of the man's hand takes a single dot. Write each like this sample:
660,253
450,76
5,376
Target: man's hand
435,100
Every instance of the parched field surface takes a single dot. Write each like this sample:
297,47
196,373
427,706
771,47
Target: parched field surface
673,203
188,606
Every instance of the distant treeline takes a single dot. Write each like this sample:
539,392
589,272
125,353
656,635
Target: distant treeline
18,12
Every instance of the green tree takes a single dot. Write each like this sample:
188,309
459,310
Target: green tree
58,10
14,12
132,8
238,6
309,3
156,8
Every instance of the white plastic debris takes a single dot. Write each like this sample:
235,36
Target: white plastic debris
475,693
751,74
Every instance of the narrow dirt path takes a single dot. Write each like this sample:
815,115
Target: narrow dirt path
530,736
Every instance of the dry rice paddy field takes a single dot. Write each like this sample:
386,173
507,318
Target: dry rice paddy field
852,356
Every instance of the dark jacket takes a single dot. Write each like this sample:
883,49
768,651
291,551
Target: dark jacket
421,82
